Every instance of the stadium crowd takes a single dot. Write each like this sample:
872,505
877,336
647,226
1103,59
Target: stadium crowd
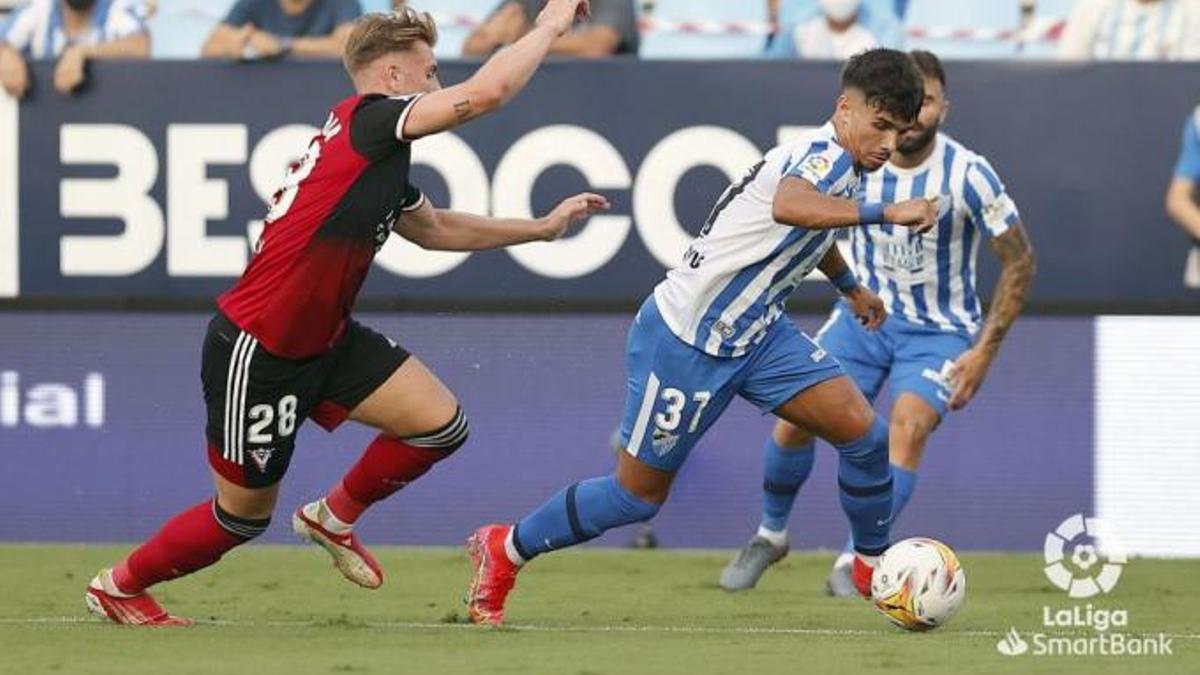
72,32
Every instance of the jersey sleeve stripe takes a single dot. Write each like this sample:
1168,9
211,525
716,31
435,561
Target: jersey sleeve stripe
404,118
843,165
993,180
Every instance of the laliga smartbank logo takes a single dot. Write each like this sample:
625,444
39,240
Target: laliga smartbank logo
1077,540
1085,559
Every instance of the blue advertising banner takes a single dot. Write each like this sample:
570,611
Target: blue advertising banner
101,435
151,183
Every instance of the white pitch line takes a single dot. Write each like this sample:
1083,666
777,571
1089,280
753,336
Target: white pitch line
541,628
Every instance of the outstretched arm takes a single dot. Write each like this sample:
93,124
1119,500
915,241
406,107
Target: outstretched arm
445,230
498,80
1018,268
800,204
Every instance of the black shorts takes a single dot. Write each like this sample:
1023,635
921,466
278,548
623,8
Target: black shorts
256,401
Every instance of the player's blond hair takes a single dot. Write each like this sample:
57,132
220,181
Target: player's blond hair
377,34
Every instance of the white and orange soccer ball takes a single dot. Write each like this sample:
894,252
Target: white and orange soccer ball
919,584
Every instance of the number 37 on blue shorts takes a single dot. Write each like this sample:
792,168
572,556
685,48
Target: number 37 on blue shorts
677,391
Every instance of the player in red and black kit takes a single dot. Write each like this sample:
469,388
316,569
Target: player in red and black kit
283,347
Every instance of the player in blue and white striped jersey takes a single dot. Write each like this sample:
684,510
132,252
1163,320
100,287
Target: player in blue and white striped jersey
715,330
935,348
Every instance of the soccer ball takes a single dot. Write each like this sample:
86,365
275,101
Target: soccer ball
919,584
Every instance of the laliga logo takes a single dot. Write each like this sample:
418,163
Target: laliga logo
1096,568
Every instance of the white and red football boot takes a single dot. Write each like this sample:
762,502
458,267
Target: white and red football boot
104,599
350,557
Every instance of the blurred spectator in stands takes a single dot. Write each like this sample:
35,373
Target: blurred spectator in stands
834,29
74,32
611,29
1133,30
267,29
1183,202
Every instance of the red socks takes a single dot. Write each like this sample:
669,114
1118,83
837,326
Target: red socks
387,465
192,540
199,536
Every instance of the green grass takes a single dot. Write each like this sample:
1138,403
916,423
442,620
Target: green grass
268,610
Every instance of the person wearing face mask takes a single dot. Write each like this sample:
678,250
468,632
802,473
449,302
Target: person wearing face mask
836,34
74,32
834,29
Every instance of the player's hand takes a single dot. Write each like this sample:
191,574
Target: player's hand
967,376
69,73
867,308
919,214
571,210
265,45
14,74
562,14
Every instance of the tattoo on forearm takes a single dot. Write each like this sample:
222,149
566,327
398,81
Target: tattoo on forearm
1016,277
462,109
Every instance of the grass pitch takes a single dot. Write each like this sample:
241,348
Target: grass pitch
266,610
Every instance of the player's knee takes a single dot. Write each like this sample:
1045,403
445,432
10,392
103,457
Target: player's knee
789,436
445,439
913,430
870,447
239,526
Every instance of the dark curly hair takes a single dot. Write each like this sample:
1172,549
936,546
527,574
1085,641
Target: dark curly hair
889,79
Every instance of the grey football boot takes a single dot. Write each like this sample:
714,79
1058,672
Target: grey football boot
743,572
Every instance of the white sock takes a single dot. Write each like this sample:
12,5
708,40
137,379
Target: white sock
844,560
331,522
109,586
778,539
511,549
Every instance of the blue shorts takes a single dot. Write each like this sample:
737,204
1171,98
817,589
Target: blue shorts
677,391
916,359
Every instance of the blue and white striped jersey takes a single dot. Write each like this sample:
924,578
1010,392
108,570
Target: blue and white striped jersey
36,27
738,272
929,279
